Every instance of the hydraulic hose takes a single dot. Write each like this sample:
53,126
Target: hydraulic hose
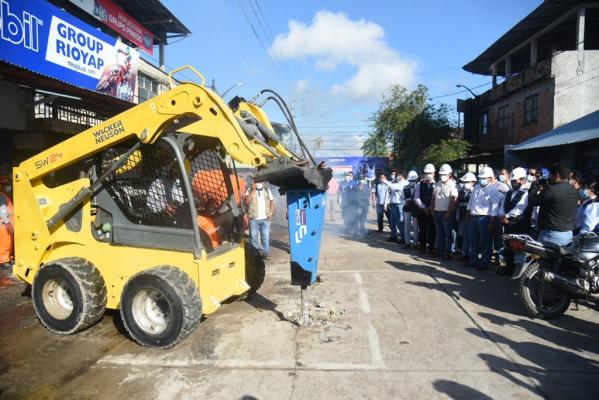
285,109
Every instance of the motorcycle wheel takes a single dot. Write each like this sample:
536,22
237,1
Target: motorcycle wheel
541,299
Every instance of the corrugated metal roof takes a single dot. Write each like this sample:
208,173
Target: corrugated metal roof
579,130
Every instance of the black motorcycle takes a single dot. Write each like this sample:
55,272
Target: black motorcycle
553,275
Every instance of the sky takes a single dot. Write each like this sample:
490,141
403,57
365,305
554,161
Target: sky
334,60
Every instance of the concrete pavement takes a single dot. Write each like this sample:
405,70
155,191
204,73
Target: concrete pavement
389,324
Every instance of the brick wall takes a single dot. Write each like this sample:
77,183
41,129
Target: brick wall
517,130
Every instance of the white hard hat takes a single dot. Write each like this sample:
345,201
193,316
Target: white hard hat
412,176
445,169
429,169
468,177
518,173
486,172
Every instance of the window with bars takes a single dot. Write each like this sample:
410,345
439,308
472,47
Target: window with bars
531,106
503,118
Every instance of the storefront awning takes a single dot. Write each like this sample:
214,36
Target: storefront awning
580,130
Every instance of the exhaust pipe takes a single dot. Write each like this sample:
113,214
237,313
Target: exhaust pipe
563,283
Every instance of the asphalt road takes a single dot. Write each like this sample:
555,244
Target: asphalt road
388,324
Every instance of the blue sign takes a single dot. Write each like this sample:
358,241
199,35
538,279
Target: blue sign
366,166
40,37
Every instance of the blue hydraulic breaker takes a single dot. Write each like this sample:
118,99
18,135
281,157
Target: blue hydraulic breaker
306,216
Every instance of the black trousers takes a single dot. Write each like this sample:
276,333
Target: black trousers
426,229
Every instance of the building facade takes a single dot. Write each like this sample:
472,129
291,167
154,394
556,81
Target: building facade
544,72
66,65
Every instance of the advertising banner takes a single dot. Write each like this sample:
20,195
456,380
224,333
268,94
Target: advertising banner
45,39
119,21
366,166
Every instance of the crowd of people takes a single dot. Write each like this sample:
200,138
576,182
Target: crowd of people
466,217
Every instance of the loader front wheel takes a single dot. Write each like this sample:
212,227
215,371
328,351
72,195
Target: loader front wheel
160,307
69,295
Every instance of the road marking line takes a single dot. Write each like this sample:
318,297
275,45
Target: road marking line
375,348
358,278
364,303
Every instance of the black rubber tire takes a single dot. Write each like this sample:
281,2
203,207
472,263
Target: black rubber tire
182,299
255,269
86,289
526,297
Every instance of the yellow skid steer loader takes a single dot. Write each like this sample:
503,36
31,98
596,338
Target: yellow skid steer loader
143,213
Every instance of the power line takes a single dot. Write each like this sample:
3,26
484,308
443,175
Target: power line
386,80
270,37
460,92
247,18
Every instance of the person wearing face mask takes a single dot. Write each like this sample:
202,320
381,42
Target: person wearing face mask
423,196
395,188
482,213
6,224
587,216
514,215
380,200
557,206
261,206
469,179
504,177
346,199
445,196
503,187
409,209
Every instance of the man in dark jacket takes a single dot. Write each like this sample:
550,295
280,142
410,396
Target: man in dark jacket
557,203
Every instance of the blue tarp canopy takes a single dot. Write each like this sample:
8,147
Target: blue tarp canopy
579,130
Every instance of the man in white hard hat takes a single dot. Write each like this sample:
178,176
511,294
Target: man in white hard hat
445,196
468,181
410,209
483,209
423,197
514,214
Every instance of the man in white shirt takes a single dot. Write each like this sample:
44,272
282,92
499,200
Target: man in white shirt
261,205
395,188
445,195
482,213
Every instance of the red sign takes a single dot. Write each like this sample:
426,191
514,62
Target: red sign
118,20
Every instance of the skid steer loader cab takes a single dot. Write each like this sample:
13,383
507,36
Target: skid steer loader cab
161,240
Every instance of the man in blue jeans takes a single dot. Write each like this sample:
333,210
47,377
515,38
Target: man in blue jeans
261,205
396,187
380,200
557,203
482,212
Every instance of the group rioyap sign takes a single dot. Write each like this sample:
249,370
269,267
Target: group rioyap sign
43,38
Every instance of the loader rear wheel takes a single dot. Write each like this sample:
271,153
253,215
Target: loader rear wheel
160,307
255,270
69,295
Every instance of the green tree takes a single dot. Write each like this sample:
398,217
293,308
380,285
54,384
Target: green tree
397,109
408,124
445,151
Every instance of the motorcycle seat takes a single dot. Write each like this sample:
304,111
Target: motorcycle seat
554,247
